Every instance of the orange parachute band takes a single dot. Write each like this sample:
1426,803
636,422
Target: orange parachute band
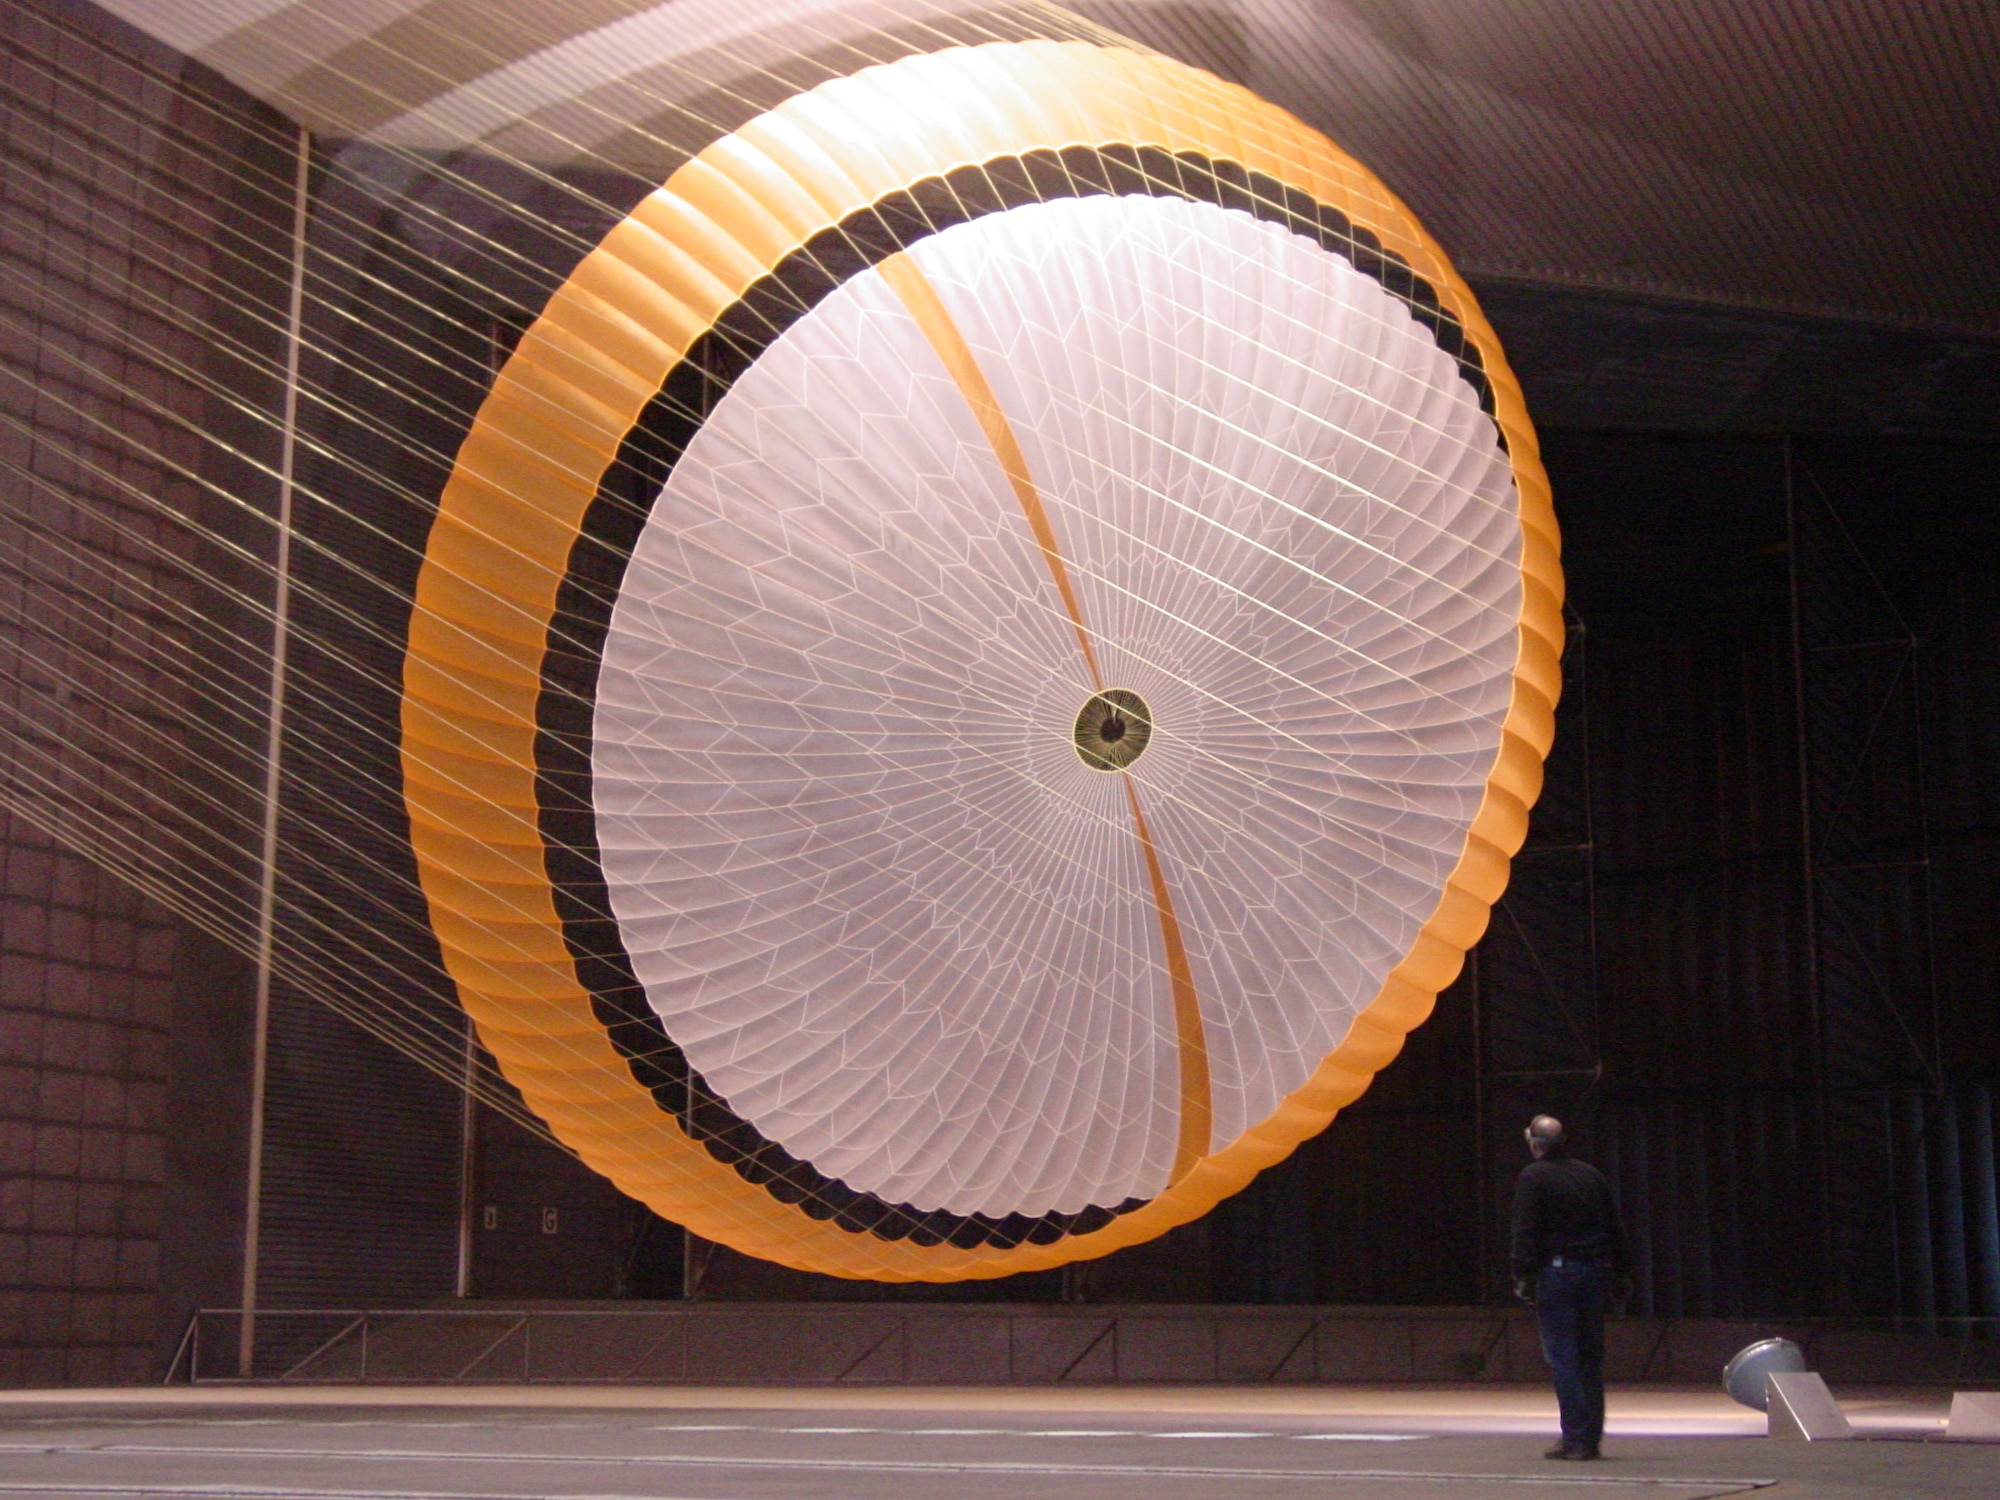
533,464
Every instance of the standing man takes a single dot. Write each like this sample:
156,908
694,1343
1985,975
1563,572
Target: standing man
1566,1250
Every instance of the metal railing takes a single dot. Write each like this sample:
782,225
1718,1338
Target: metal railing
1028,1344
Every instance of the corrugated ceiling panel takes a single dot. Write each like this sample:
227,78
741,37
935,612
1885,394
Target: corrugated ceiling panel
1825,156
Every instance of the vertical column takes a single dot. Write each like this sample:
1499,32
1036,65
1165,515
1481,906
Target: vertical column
1985,1204
468,1161
1869,968
267,893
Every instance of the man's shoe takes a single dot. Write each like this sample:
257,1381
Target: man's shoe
1587,1453
1564,1450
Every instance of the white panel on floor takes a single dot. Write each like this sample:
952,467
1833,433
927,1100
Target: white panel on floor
1802,1408
1974,1414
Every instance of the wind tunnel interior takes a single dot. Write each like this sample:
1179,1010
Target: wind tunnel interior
1746,952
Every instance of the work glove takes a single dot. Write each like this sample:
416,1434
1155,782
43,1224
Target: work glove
1524,1289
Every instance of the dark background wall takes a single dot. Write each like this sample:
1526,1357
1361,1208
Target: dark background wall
122,1062
1747,951
85,1004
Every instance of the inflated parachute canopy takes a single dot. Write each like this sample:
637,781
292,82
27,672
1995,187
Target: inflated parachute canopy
981,665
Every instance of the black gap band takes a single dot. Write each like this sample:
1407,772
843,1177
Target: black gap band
611,530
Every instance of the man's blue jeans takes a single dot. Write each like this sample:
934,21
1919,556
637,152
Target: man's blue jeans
1569,1307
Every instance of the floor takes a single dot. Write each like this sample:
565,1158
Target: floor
1014,1443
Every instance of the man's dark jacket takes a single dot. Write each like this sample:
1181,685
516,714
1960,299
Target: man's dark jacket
1564,1207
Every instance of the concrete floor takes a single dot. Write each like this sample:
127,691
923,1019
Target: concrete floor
979,1443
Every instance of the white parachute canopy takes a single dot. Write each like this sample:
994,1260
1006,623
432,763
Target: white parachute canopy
869,880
